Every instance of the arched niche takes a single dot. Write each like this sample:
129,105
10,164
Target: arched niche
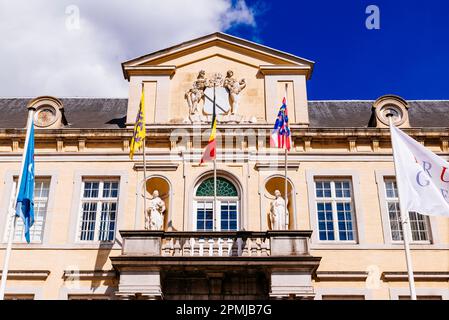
161,184
277,182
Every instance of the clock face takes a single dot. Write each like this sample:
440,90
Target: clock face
45,117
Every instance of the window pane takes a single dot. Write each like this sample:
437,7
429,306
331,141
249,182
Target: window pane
204,213
323,189
419,226
88,221
345,224
342,189
228,212
19,296
343,297
422,298
325,221
91,189
391,189
41,187
107,222
110,189
395,221
418,223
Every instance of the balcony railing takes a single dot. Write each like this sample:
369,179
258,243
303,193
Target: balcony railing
211,244
215,244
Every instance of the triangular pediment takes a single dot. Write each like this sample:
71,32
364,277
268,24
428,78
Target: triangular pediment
212,45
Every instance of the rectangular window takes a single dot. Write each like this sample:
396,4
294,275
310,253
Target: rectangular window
205,216
23,296
343,297
98,210
335,210
41,194
88,297
419,223
421,298
228,214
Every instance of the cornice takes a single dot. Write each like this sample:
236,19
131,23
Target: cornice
148,71
158,129
89,274
418,276
163,166
28,274
285,70
341,275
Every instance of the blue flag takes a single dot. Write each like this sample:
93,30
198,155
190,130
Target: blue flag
25,198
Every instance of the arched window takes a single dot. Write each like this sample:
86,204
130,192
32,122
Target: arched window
226,210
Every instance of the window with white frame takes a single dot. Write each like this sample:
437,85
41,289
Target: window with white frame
342,297
88,297
334,208
41,195
21,296
421,297
98,210
419,224
227,206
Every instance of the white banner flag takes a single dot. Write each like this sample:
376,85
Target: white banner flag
423,177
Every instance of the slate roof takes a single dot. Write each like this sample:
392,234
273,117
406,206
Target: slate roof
111,113
349,114
83,113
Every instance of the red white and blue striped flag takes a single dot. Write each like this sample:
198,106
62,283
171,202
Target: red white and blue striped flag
280,136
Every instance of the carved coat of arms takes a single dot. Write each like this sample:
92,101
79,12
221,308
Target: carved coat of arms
226,91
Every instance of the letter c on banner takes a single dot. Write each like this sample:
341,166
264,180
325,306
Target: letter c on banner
419,181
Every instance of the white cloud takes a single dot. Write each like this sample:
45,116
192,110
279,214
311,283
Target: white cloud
40,55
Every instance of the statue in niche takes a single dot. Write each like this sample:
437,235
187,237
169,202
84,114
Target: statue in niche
196,93
279,216
154,218
234,88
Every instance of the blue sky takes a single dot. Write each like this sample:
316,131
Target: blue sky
76,47
408,56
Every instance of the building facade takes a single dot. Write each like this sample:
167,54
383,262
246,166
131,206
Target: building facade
343,237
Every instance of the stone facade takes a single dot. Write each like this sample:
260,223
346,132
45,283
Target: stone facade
79,141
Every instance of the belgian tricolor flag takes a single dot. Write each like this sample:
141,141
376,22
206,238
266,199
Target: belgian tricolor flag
211,149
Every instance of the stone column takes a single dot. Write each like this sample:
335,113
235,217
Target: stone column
295,283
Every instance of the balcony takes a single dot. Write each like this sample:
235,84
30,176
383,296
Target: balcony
215,265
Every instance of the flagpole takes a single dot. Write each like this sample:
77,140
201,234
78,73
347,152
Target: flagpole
144,180
144,173
404,220
285,173
14,218
215,171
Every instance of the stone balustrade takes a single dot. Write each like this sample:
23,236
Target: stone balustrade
215,244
